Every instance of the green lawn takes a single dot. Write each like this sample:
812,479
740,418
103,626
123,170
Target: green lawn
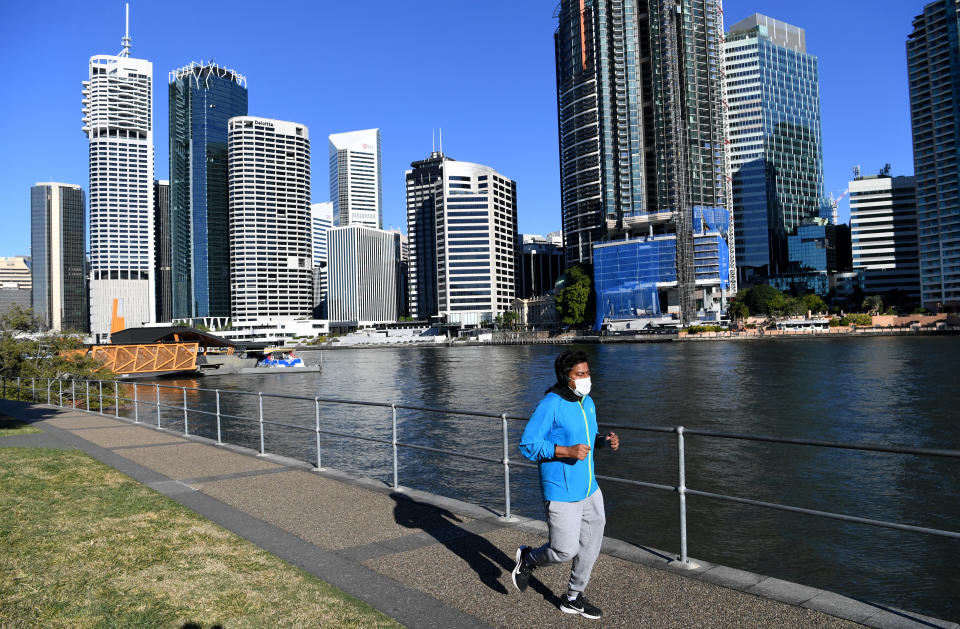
82,545
10,426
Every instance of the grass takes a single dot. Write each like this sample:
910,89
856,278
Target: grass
10,426
82,545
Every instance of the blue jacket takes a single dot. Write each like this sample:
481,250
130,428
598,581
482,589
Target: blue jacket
565,420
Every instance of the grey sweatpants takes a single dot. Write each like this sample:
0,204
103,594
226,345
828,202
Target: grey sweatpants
576,531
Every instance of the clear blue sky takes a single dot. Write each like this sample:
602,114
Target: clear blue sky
481,71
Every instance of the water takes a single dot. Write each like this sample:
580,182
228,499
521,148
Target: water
896,390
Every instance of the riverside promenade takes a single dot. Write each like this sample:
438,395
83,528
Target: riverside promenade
425,560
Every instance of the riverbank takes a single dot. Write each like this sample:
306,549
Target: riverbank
431,561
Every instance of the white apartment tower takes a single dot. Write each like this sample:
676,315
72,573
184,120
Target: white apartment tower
355,179
321,219
462,224
363,271
118,120
271,263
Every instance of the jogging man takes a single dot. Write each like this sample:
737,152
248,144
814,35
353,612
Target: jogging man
561,436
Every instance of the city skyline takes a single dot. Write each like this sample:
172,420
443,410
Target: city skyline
478,122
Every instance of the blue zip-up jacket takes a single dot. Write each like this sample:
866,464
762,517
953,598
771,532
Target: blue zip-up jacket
562,419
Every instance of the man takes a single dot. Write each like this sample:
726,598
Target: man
561,436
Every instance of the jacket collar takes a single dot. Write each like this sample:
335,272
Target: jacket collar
564,392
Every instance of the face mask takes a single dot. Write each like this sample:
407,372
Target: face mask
582,386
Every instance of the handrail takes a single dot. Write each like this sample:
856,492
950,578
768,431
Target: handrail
57,399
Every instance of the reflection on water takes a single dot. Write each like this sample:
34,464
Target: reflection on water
888,390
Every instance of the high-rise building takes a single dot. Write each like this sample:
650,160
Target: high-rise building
321,219
813,246
462,226
162,240
203,97
363,269
271,262
58,268
15,283
540,266
118,120
883,231
933,64
355,178
641,123
775,150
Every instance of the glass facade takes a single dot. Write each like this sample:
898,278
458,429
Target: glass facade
202,99
776,154
813,247
933,65
615,90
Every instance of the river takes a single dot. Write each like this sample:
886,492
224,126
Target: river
895,390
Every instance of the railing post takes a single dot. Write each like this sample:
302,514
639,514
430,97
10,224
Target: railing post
19,389
33,390
396,471
316,406
219,442
260,396
136,405
49,386
682,491
59,392
186,422
116,399
88,395
157,389
100,382
73,393
506,468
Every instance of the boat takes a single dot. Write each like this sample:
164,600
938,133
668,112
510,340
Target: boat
277,360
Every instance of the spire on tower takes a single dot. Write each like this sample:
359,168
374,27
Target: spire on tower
125,42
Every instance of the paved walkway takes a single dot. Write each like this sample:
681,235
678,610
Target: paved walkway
430,561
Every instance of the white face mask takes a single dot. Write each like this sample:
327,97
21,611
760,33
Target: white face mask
582,386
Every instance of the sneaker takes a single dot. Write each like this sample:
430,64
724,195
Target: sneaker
521,571
580,606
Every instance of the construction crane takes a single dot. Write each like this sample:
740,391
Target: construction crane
834,202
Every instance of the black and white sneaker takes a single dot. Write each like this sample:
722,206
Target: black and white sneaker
580,606
521,571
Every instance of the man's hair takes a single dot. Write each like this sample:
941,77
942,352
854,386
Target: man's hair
566,362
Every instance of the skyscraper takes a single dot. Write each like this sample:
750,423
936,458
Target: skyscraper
641,122
364,263
118,120
883,226
933,64
58,265
321,219
270,256
462,228
775,151
161,230
203,97
356,179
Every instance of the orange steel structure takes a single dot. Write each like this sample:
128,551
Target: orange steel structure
145,359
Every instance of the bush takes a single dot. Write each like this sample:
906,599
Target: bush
697,329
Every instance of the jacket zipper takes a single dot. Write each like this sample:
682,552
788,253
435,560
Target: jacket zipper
586,426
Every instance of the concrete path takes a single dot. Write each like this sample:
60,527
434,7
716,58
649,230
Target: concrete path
429,561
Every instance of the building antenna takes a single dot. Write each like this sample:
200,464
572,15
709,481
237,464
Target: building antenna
441,139
125,42
433,140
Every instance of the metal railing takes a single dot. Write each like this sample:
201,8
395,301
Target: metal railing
54,394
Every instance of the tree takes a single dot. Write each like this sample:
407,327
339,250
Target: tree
574,298
813,303
737,310
873,304
758,298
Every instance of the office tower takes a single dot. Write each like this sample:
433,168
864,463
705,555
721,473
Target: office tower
321,219
462,229
271,264
540,266
775,151
162,240
362,271
355,178
15,283
58,264
883,229
203,97
118,120
812,246
641,123
933,64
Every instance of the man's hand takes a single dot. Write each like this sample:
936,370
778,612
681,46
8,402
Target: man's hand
613,441
578,452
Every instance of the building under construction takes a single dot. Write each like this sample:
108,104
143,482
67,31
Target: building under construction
642,127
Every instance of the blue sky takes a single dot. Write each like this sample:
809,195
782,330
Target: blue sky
481,71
